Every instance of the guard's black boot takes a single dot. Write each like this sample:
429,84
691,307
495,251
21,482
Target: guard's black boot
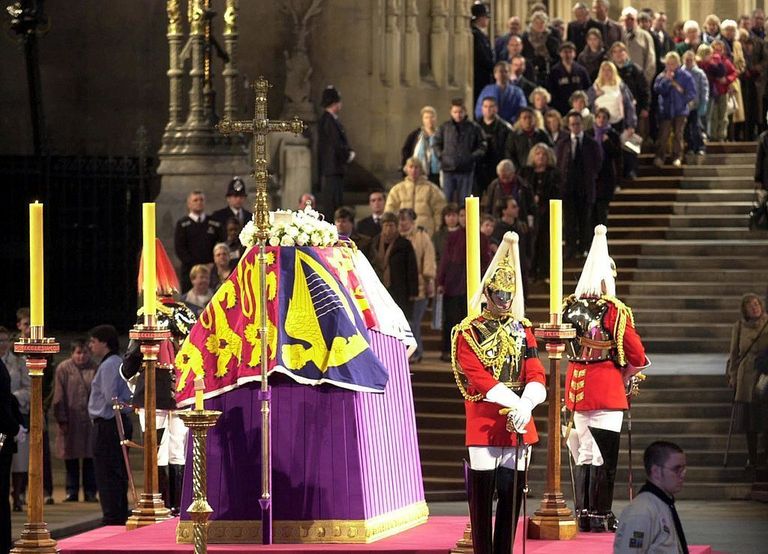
581,502
508,505
162,485
176,482
480,488
602,479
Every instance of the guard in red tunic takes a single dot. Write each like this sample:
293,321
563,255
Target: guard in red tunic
603,357
497,369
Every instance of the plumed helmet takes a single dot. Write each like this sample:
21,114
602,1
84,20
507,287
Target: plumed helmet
599,268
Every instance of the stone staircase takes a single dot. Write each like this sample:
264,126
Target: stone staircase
684,253
700,426
685,257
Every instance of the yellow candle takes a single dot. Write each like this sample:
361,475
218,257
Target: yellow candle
199,389
472,207
555,256
36,273
149,278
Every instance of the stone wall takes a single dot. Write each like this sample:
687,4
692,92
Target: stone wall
103,70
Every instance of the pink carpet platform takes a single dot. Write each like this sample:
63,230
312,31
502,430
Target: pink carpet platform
437,536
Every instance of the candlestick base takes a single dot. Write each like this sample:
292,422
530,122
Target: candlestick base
553,520
148,511
199,421
464,545
35,539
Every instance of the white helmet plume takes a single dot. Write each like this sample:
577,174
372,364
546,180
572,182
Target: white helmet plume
597,269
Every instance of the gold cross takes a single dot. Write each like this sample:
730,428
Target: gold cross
260,126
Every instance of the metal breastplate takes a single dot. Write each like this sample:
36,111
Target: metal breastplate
487,334
593,342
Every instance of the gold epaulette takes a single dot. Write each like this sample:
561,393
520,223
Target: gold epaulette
624,314
463,328
525,322
568,300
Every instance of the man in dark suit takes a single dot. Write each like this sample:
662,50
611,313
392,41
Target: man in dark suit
483,53
394,260
371,226
577,28
235,209
579,158
195,236
333,152
10,418
610,29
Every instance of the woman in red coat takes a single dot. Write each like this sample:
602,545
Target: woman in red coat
497,369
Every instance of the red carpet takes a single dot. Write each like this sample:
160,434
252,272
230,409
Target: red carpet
437,536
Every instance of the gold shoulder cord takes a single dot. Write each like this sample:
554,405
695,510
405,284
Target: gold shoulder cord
506,347
624,314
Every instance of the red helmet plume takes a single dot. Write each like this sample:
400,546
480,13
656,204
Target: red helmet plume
167,281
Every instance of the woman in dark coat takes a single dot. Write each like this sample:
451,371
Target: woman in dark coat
395,263
606,136
545,181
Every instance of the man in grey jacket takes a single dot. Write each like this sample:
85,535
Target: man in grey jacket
650,523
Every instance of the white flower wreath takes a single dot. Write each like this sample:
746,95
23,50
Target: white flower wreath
288,228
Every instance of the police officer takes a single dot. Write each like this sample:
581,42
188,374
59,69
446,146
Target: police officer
236,196
483,53
195,236
602,358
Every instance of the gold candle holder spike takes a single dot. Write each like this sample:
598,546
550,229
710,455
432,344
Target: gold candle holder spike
199,421
554,519
35,538
150,509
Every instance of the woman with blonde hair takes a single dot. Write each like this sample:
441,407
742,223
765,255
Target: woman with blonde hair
539,101
544,179
609,92
749,345
419,143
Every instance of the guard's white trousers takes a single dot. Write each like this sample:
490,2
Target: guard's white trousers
173,446
582,444
483,458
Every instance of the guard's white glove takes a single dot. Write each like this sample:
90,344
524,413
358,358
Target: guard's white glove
351,156
521,415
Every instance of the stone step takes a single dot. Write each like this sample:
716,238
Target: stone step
701,274
664,426
694,247
672,184
650,194
676,220
624,206
537,472
695,262
686,233
705,170
656,302
745,157
666,345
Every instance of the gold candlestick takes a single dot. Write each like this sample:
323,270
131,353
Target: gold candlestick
150,508
199,421
554,519
35,538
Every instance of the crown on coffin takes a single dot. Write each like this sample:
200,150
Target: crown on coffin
288,228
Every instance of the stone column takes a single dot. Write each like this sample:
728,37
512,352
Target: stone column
231,72
412,61
684,9
463,53
438,38
392,43
174,73
196,118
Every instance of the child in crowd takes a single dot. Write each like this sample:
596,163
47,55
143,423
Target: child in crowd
694,137
487,225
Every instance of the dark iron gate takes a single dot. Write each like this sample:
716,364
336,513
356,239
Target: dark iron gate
92,227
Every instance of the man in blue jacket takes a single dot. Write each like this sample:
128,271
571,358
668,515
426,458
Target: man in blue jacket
675,89
509,97
459,144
